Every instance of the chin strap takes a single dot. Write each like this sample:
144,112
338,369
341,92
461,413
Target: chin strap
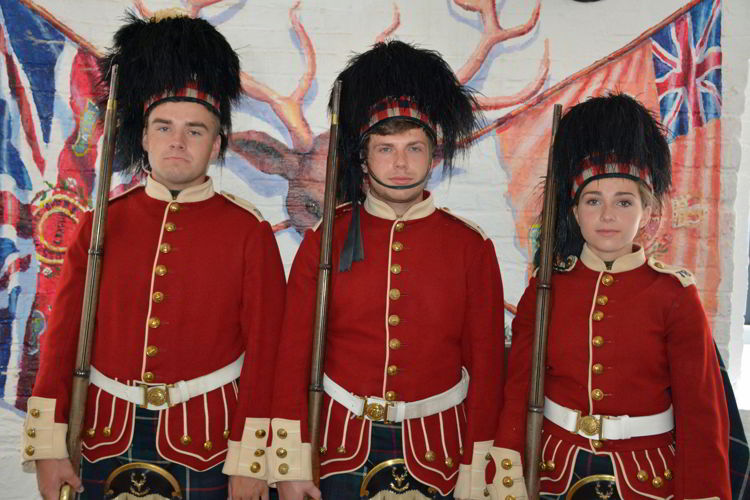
423,180
401,187
353,250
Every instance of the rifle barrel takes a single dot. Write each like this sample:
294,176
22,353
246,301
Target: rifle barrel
91,288
544,276
324,281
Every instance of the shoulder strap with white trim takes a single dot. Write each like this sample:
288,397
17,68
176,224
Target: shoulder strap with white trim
473,225
340,210
240,202
686,277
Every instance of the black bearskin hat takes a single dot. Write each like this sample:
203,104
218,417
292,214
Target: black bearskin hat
168,57
398,70
608,136
395,80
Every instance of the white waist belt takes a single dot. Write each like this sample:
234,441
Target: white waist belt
378,409
161,396
604,427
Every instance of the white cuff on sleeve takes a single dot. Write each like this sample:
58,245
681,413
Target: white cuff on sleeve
471,482
42,437
289,458
508,475
248,456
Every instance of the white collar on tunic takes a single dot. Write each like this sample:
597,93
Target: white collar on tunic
627,262
159,191
381,209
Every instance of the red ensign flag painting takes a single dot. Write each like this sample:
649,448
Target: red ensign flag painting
675,70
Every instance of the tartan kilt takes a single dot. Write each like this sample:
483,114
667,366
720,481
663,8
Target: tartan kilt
385,444
588,465
211,484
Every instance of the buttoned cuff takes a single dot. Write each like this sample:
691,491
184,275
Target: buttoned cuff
289,458
248,456
470,483
42,437
508,479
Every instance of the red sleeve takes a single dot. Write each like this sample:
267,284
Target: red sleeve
292,376
700,408
59,343
483,349
511,430
263,298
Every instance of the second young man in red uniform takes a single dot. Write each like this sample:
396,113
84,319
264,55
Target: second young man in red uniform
413,361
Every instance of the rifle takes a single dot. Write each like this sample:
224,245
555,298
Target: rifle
91,289
324,281
536,391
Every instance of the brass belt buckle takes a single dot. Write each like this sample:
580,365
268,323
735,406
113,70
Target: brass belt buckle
589,425
156,395
375,411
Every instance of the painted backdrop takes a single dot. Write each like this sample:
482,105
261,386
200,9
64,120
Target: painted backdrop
523,56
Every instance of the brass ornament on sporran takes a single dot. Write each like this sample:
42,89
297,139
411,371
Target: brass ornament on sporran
596,487
390,480
141,481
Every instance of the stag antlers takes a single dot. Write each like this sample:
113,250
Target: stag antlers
303,164
492,35
289,108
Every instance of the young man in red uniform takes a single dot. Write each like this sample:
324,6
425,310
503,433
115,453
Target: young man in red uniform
413,361
191,285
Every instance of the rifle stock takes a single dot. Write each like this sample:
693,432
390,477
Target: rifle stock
544,274
324,281
91,289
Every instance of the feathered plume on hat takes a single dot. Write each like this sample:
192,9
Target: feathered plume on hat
608,136
398,80
175,58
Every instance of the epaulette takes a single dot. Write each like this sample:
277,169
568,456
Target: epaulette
128,190
473,225
339,211
561,266
565,265
244,204
685,276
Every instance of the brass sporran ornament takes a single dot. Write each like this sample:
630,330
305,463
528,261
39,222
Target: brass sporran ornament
141,481
596,487
390,480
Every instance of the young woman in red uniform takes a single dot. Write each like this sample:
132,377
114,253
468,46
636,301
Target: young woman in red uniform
634,403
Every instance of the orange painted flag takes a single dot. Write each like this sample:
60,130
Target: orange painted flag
675,70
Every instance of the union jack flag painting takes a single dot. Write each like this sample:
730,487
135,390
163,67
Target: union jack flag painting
48,148
687,67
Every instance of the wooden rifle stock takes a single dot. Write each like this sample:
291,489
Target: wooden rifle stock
324,281
544,277
91,290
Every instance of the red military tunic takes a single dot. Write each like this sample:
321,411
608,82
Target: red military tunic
187,286
426,301
630,340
